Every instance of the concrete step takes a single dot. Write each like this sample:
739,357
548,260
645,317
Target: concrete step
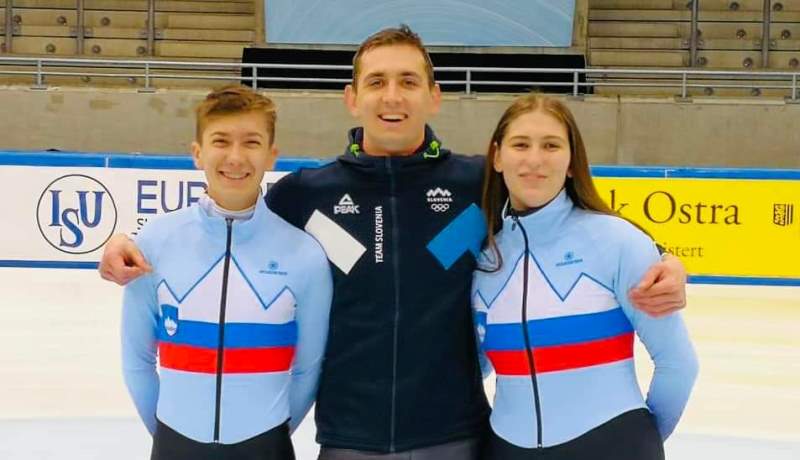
777,31
786,16
785,45
630,43
729,44
209,35
705,5
748,60
631,4
205,50
44,31
640,15
141,5
707,59
699,88
30,16
120,77
216,35
747,5
790,47
634,29
755,93
739,60
596,43
638,58
686,15
122,47
730,30
54,46
785,60
207,21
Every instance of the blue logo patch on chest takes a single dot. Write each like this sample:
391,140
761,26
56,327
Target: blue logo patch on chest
464,233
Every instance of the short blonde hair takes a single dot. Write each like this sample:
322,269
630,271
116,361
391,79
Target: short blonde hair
233,100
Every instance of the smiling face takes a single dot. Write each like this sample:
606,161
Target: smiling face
234,151
393,99
534,159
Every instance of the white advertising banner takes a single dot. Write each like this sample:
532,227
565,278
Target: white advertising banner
61,216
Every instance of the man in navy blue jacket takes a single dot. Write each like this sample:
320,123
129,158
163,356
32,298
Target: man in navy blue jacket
398,217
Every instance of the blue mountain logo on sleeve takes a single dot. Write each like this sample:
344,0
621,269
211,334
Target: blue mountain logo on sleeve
169,315
463,234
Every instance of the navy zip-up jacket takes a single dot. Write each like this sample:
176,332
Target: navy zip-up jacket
401,234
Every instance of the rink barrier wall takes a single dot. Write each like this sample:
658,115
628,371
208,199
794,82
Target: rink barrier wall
729,226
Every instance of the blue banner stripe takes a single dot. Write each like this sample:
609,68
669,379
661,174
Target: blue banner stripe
237,335
563,330
151,162
58,159
743,280
48,264
131,161
695,173
627,171
184,161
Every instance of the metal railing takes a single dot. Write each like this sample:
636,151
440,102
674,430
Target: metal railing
150,34
580,81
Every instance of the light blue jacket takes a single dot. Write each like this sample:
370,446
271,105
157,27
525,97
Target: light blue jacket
267,282
572,276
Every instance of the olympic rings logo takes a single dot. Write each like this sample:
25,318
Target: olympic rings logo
440,207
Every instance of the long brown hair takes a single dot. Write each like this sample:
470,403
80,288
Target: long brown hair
579,186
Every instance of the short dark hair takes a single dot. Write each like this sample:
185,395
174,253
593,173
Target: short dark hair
402,35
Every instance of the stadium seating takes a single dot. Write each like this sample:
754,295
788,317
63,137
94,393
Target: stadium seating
657,34
118,28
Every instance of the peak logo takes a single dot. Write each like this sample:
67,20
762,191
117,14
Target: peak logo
439,199
346,206
76,214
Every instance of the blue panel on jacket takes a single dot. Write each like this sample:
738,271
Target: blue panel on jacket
465,233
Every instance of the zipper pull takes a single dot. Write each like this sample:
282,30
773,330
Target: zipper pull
516,221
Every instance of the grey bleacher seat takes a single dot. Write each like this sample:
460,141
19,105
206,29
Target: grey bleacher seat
117,28
657,34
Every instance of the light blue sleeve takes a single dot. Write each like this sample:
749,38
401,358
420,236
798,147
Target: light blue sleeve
666,339
139,342
312,313
480,313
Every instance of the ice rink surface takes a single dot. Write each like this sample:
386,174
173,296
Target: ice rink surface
62,396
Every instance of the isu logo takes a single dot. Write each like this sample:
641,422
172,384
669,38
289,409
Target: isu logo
76,214
439,199
346,206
